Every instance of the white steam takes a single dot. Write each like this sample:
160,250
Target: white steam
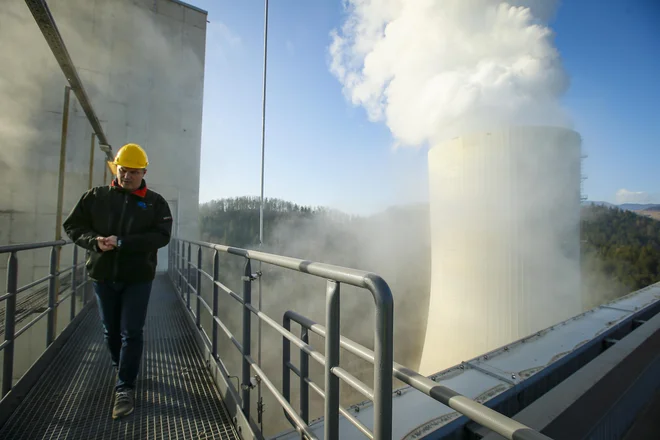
435,69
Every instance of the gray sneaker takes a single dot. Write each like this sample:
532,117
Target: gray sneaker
124,403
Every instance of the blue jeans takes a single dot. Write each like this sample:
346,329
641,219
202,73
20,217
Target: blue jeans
123,311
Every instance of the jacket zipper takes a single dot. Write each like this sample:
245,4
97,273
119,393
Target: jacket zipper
115,270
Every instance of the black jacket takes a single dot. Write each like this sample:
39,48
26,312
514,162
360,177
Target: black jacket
141,220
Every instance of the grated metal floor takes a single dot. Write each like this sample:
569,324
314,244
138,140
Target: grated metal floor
175,395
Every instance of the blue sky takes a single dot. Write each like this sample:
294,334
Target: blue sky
320,150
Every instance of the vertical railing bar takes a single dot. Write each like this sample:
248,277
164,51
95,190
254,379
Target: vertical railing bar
198,287
85,290
384,361
247,327
52,286
74,269
180,268
216,270
286,359
188,280
304,374
331,427
182,260
10,323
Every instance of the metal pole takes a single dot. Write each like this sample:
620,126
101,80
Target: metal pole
73,283
331,361
91,163
214,338
60,183
105,175
261,205
10,323
247,321
60,186
52,293
304,374
188,280
198,288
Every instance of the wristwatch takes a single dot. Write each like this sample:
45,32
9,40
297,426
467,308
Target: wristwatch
119,242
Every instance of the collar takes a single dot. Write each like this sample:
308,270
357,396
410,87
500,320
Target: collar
140,192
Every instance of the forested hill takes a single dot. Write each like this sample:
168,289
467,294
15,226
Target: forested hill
235,221
621,245
620,249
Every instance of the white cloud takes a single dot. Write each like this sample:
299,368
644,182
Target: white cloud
625,196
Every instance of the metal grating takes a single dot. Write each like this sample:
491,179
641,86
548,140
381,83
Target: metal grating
175,395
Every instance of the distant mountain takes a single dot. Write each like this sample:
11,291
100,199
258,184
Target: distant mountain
625,206
639,207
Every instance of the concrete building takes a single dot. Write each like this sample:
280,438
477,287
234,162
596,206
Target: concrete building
505,209
142,65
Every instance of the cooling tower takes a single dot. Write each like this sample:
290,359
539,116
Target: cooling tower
505,209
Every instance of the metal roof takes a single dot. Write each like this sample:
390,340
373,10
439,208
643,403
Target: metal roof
492,374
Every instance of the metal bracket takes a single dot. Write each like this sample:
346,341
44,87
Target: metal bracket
488,370
252,277
620,309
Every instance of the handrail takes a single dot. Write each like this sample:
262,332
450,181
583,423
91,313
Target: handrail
10,297
183,272
483,415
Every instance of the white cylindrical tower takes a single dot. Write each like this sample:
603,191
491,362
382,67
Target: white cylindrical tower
505,209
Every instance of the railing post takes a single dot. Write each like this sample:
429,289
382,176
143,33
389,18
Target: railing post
304,374
52,286
247,327
214,337
198,288
286,359
10,323
331,361
188,280
179,267
85,287
74,268
182,257
383,361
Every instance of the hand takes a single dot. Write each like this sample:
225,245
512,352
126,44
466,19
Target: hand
103,244
112,241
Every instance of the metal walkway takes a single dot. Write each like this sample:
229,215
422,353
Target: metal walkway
175,395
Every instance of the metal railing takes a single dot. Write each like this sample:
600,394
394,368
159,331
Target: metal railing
183,273
475,411
8,346
181,267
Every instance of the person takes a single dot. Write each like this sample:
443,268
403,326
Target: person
122,225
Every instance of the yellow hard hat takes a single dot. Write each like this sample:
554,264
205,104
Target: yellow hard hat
131,156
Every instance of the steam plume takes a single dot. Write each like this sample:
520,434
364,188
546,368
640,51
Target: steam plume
435,69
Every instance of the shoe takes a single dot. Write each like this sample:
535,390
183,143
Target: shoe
124,403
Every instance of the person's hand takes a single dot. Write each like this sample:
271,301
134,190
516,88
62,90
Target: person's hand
103,244
112,241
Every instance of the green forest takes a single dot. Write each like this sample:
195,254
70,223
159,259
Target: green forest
620,248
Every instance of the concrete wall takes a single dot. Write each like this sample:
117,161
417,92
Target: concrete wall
142,64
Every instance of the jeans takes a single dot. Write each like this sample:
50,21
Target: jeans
123,311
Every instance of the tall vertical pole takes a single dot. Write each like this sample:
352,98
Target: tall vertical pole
261,205
60,193
60,183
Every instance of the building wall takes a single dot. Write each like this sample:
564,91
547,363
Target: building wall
505,240
142,64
